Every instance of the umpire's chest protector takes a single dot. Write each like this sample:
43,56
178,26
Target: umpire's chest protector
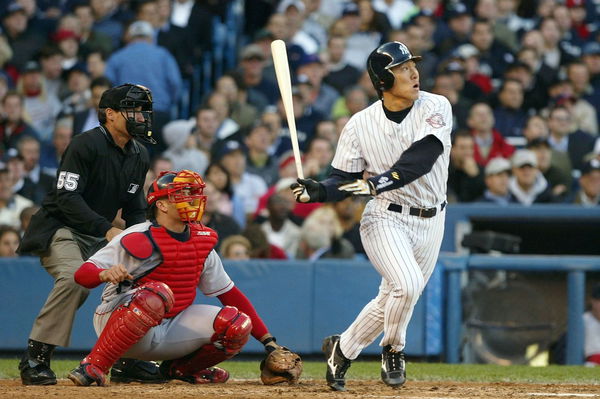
182,262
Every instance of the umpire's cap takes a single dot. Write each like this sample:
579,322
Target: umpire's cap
382,59
125,96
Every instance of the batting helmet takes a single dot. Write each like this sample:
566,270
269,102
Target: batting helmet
382,59
184,189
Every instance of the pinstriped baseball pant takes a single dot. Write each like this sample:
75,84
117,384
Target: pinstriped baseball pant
404,250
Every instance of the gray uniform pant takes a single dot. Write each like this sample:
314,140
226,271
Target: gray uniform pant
68,250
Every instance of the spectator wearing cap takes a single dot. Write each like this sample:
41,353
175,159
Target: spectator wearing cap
68,43
51,63
261,90
319,95
359,42
591,327
90,40
246,186
23,40
87,118
460,23
180,151
560,181
339,74
40,106
588,194
78,85
527,183
576,144
508,114
494,56
497,174
12,124
489,143
223,224
294,11
158,71
465,176
466,88
259,161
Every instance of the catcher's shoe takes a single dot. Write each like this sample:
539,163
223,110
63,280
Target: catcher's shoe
35,373
132,370
393,367
211,375
337,363
86,374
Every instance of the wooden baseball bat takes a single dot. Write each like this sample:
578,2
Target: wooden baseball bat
282,70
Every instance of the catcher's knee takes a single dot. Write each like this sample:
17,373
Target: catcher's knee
152,300
232,329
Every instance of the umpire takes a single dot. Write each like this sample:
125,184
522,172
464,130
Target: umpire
101,172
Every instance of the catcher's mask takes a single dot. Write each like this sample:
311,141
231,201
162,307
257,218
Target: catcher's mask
125,99
184,189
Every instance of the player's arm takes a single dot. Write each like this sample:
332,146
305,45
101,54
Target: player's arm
415,162
325,190
74,170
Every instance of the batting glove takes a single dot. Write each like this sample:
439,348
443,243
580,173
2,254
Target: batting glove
314,189
358,187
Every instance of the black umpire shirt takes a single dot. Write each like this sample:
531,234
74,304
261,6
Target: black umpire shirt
95,179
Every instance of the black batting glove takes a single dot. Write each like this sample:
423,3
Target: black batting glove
308,190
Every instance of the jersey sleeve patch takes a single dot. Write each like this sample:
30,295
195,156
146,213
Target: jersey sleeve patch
137,245
436,120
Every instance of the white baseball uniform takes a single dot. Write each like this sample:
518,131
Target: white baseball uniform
403,248
174,337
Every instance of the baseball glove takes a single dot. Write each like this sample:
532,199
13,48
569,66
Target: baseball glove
281,365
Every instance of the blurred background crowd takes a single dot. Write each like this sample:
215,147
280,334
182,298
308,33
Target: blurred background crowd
523,78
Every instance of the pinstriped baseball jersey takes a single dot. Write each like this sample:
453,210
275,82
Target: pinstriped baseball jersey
373,143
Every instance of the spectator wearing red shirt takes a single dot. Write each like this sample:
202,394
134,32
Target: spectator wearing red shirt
489,143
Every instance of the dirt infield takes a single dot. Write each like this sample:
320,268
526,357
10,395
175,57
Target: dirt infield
313,389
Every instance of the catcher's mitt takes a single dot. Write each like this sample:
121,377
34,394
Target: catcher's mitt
281,365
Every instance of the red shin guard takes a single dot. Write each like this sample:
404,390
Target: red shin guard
130,322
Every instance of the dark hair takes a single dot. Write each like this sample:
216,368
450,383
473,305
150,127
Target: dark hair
461,133
13,93
4,228
228,189
49,50
100,81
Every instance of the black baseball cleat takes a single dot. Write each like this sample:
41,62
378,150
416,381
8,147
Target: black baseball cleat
125,371
337,363
393,367
35,373
87,374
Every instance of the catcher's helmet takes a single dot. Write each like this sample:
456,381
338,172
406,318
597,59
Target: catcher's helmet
184,189
127,97
382,59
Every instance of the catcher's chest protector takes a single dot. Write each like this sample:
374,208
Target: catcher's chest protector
182,263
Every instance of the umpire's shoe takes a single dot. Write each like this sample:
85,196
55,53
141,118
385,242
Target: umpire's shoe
35,373
393,368
87,374
337,363
132,370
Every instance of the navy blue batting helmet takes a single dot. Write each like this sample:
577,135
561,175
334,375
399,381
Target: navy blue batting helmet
382,59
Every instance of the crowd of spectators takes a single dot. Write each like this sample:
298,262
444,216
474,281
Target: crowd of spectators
523,78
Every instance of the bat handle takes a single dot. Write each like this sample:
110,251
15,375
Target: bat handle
304,197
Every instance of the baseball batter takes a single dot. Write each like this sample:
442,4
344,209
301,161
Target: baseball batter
154,269
397,150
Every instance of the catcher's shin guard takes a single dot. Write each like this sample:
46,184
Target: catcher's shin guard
130,322
232,330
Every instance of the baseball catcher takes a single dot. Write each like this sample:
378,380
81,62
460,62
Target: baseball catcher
153,270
